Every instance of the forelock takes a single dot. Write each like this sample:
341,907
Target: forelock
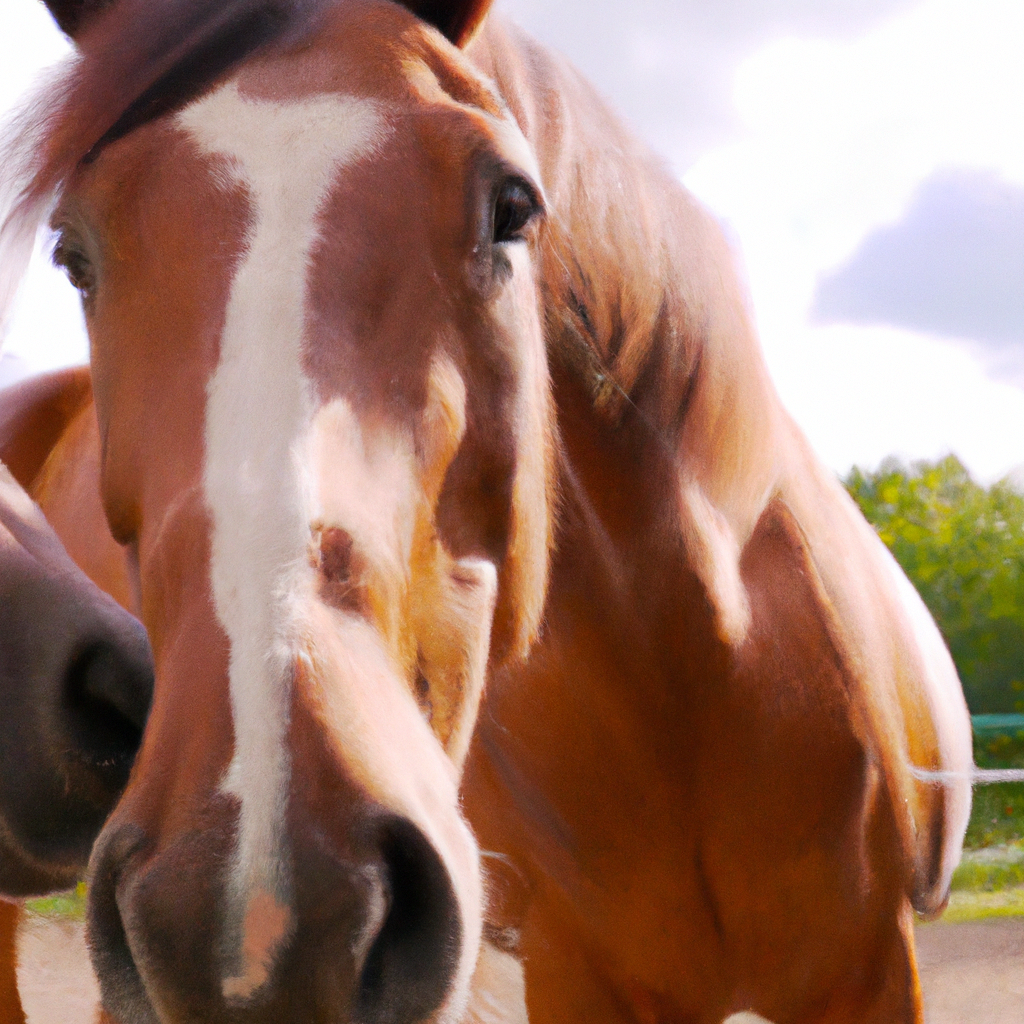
134,61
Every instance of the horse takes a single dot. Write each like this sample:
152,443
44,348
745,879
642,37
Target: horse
76,679
49,437
456,493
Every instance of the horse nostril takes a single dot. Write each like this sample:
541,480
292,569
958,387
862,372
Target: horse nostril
410,965
107,693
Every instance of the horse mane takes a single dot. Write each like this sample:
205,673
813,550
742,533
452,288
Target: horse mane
134,61
644,308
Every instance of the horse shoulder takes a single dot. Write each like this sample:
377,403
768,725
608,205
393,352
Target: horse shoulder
34,414
49,439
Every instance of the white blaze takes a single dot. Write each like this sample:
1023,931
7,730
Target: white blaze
259,406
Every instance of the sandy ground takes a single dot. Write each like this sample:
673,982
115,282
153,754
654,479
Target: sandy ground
54,975
971,973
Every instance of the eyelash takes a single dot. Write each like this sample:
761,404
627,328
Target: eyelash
72,260
515,206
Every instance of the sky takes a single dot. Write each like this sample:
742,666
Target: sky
866,159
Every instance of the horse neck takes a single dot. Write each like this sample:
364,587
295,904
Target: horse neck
675,448
621,577
668,429
593,743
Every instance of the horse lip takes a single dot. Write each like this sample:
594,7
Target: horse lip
124,994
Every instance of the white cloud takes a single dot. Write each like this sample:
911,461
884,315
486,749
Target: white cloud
48,329
838,136
862,394
668,64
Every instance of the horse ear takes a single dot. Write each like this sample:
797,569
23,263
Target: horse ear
457,19
72,15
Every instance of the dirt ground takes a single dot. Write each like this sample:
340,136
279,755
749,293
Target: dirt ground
971,973
54,975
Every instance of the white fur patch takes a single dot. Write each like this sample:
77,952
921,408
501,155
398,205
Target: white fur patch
746,1017
259,408
363,482
498,992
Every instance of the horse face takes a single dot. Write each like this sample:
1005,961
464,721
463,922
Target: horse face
75,683
322,388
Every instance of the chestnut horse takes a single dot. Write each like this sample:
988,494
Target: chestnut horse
414,371
75,683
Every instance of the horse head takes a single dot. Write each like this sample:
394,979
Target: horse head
322,390
75,682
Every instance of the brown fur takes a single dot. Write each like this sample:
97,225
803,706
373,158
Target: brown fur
51,616
699,774
35,415
11,1011
48,440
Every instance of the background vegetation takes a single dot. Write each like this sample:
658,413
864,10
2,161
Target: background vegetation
962,545
997,813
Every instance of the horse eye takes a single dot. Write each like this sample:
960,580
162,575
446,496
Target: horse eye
514,207
76,265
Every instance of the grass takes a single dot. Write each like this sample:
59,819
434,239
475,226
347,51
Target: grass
997,815
981,906
63,906
990,870
989,881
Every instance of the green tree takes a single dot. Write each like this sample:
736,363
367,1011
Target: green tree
962,545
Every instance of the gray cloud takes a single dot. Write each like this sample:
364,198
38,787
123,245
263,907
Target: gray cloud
12,369
954,265
668,65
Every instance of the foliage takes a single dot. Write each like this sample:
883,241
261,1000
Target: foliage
997,813
997,816
982,904
64,906
993,875
962,545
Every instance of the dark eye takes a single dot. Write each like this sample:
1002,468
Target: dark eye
514,207
73,261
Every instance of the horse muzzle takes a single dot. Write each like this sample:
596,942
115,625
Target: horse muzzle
76,679
366,927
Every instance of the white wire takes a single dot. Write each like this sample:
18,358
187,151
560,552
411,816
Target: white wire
977,776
